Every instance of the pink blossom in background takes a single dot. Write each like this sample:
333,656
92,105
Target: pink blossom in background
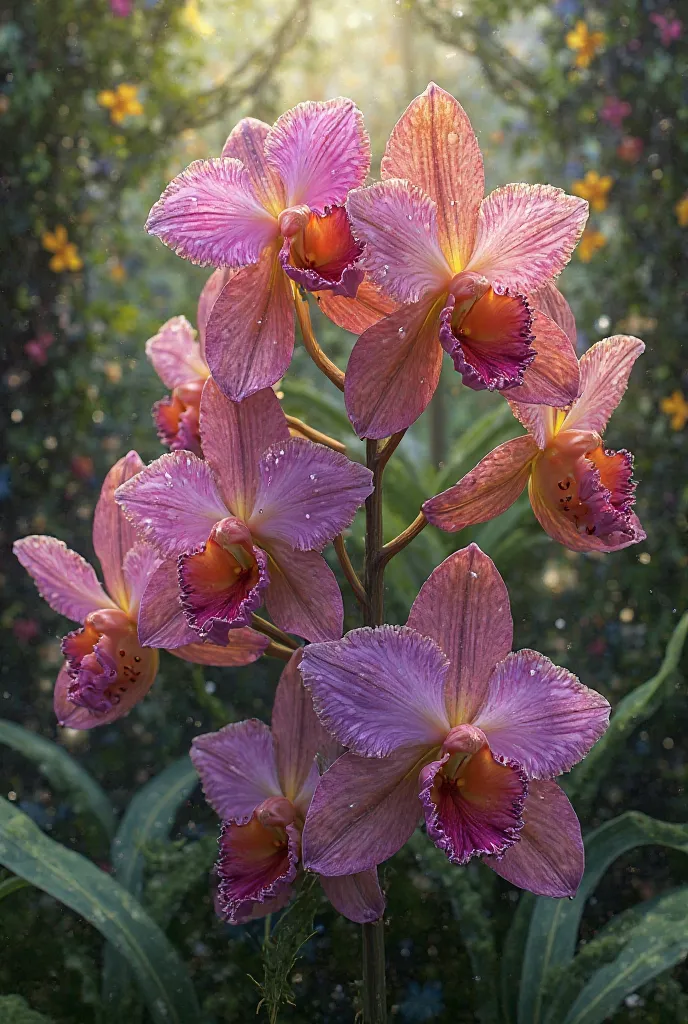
670,28
442,721
107,670
462,270
121,8
244,526
261,782
615,110
25,629
37,348
630,149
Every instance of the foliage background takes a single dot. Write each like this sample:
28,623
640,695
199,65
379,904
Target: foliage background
70,412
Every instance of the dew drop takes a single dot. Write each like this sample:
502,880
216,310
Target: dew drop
473,574
532,672
312,476
402,331
307,515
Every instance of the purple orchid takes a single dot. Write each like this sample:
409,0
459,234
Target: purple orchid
245,525
107,669
271,209
260,782
441,720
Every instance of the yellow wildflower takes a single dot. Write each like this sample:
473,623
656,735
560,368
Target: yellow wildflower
676,407
591,241
66,253
121,102
585,43
595,188
193,19
681,210
117,272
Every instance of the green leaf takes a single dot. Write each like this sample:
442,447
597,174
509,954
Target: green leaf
76,882
281,948
175,869
16,1010
63,772
656,943
476,440
636,707
554,926
511,959
10,885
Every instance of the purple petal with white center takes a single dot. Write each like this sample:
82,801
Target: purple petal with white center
379,689
175,353
255,867
297,734
357,897
464,607
64,579
548,859
113,534
162,622
246,142
398,224
237,768
139,565
540,715
303,596
321,151
307,494
209,214
477,811
173,503
362,812
604,372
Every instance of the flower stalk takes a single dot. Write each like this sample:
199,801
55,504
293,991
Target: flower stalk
349,571
268,629
323,362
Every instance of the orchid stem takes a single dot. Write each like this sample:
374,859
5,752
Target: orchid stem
388,448
405,537
315,435
349,571
323,362
274,632
374,998
274,650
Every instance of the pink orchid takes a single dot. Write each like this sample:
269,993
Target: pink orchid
243,526
461,267
37,348
121,8
260,782
107,670
271,209
581,493
670,29
614,111
442,721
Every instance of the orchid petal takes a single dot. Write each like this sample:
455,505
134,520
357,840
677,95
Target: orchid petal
487,491
67,713
604,370
246,142
553,378
161,617
113,535
250,330
297,734
549,858
235,435
478,811
539,420
540,715
434,146
173,503
64,579
464,607
393,371
244,646
307,494
362,812
140,563
398,224
175,354
357,897
303,597
254,868
209,214
549,300
321,151
76,716
379,689
358,314
526,234
237,768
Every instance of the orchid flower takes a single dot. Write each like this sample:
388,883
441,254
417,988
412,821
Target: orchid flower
107,669
581,492
243,526
270,208
260,782
461,267
442,721
179,361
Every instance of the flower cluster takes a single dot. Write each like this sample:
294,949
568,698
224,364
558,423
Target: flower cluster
374,731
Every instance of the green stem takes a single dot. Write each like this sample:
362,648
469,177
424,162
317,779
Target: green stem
374,1001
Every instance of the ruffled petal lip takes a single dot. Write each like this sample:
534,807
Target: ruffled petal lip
256,864
323,255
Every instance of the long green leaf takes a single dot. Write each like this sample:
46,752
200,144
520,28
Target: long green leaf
554,926
511,959
475,441
76,882
16,1010
62,771
635,708
656,943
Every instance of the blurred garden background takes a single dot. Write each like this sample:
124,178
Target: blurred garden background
101,103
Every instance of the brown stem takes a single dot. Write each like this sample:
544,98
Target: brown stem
315,435
405,537
388,448
349,571
274,650
323,362
274,632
